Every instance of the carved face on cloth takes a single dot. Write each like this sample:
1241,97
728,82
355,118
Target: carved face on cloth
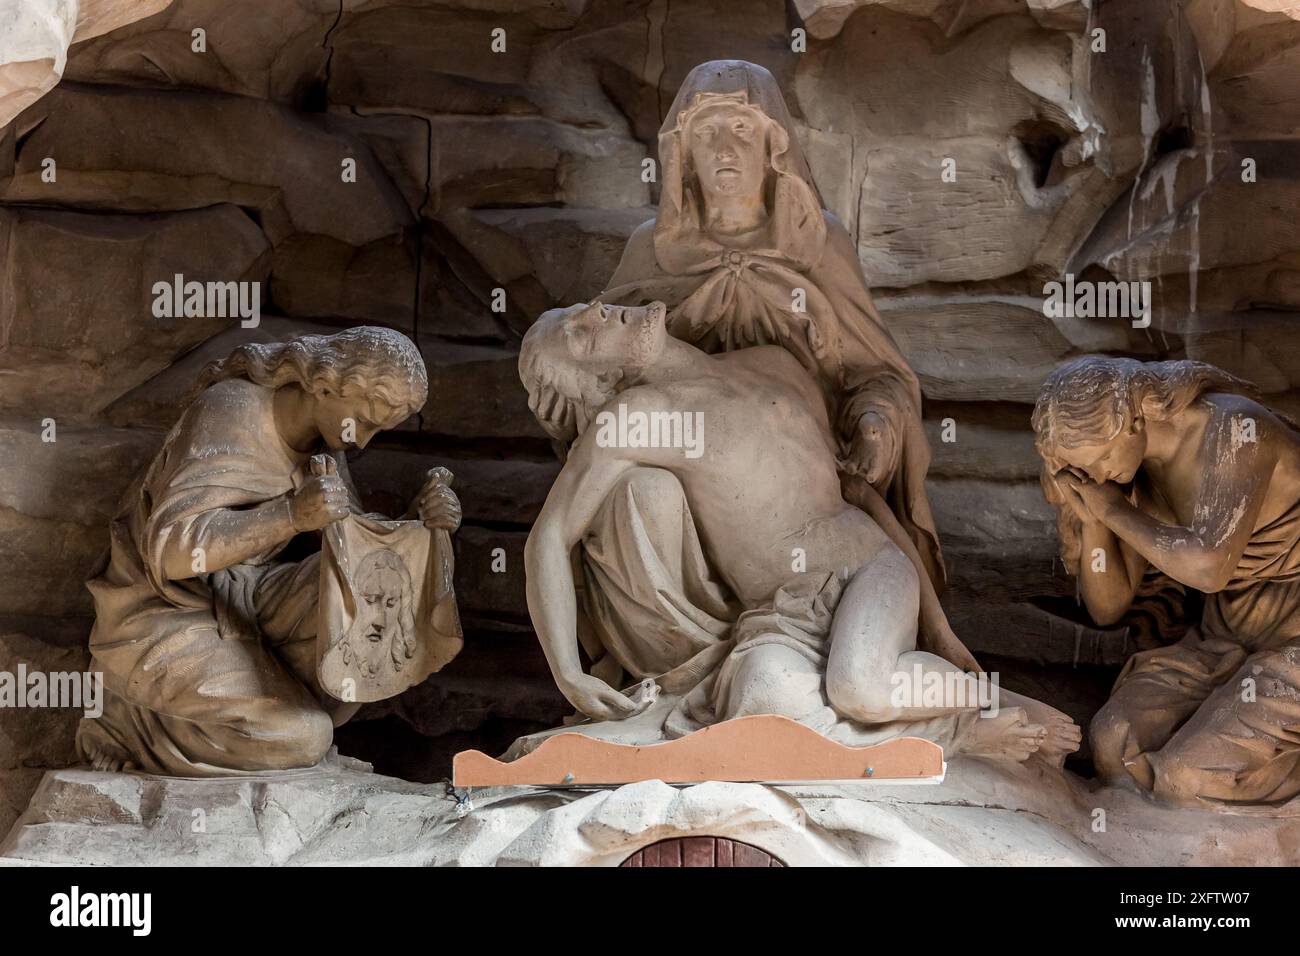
384,631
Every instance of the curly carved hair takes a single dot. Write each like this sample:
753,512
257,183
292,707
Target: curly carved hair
367,360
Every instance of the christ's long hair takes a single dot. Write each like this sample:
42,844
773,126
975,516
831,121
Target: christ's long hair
367,360
1091,400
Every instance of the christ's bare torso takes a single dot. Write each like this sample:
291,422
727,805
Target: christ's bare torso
766,467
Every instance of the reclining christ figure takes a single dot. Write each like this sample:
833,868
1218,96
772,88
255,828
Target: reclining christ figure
828,604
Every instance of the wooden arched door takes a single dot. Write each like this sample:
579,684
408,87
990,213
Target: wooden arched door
700,851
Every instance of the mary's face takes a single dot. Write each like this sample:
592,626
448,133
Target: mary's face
728,148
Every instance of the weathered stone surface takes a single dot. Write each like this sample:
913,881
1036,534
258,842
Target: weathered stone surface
825,18
483,591
315,276
1187,215
76,322
960,346
207,148
572,252
56,501
16,788
1254,79
402,58
967,442
35,739
934,167
498,491
1255,345
275,57
916,228
38,736
158,401
982,814
474,392
34,39
530,161
998,519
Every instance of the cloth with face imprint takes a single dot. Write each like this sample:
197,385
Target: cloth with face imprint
387,610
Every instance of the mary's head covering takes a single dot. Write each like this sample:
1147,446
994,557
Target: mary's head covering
796,228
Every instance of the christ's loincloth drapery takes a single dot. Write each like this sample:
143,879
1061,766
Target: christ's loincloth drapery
1217,716
659,613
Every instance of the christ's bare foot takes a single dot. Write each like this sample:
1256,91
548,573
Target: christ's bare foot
1008,736
1063,735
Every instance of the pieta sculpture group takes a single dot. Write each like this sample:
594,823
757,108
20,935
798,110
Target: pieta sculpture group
783,562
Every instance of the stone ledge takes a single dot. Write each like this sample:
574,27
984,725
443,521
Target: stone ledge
339,812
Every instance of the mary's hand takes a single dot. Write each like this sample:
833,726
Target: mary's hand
874,452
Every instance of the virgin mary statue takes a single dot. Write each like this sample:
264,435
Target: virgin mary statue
744,253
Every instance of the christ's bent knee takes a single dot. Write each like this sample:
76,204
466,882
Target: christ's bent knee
875,623
861,699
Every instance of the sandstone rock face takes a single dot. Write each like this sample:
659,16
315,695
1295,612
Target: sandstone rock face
56,500
376,162
77,327
34,40
33,740
982,815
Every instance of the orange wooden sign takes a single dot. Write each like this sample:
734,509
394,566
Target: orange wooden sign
761,749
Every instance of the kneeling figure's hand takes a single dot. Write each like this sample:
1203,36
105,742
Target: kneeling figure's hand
436,504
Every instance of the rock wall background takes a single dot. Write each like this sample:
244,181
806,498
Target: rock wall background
521,170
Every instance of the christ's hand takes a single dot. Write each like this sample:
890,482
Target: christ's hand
593,697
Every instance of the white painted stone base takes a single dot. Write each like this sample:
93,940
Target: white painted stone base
340,813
